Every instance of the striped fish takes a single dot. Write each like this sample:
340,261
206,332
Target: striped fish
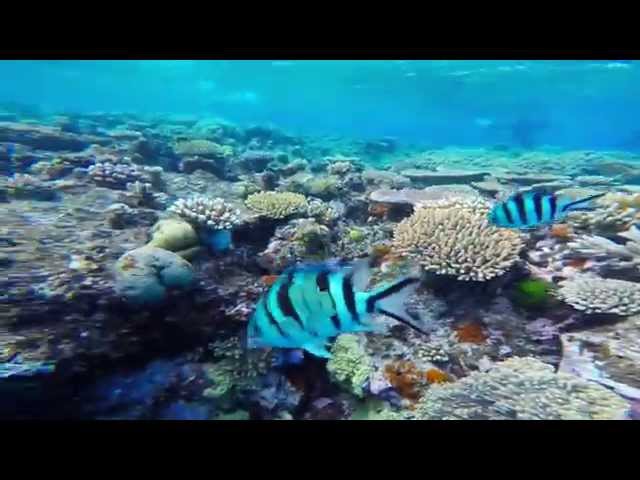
310,303
532,208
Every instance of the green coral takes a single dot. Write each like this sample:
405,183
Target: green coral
373,409
533,294
350,366
276,205
356,235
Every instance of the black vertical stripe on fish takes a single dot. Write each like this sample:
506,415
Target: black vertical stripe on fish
552,206
336,322
371,301
273,321
403,321
350,298
507,213
522,213
322,281
284,301
537,204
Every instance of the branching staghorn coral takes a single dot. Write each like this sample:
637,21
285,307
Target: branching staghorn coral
212,213
592,294
116,176
454,237
521,388
613,213
276,205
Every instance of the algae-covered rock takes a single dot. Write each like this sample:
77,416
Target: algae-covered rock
350,366
144,275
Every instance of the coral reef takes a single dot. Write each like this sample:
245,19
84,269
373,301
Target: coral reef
276,205
116,176
28,187
349,365
456,239
592,294
210,213
523,389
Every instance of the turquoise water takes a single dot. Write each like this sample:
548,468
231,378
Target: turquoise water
583,104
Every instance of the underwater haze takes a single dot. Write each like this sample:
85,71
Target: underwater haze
320,240
567,104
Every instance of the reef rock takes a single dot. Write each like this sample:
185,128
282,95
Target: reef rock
144,275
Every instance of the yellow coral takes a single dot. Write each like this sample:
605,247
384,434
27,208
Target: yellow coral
276,205
454,237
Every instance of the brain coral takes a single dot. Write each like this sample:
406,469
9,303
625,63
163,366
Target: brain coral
592,294
276,205
453,237
521,388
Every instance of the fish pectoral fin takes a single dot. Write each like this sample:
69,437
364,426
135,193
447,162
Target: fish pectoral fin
318,349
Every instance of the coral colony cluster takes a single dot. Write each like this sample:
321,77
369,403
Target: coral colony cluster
111,240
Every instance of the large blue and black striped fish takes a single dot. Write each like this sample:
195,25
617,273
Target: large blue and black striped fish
531,209
310,303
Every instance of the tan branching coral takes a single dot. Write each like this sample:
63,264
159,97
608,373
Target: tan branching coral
276,205
454,237
592,294
521,388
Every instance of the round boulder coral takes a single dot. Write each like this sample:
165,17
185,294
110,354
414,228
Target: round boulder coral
454,237
174,235
144,275
599,295
276,205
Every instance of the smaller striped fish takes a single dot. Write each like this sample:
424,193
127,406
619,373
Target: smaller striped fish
310,303
532,208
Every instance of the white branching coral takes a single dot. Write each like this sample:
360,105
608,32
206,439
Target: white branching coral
592,294
212,213
614,214
276,205
521,388
454,237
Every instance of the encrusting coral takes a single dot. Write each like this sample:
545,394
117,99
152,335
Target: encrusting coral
454,237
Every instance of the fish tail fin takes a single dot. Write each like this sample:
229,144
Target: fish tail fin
389,300
318,349
581,203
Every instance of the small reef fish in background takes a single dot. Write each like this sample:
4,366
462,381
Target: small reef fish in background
532,208
310,303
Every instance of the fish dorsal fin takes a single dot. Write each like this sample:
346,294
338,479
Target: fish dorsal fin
581,203
361,273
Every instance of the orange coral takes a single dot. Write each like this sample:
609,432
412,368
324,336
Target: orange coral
269,280
404,377
379,210
561,231
433,375
578,263
471,332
